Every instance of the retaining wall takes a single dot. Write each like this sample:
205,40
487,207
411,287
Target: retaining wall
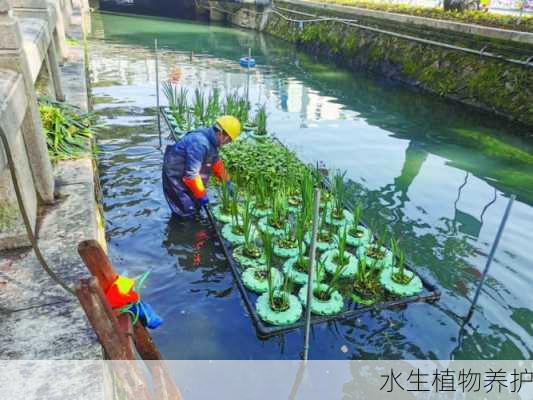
486,83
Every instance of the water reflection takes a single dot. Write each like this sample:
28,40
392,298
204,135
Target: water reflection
436,174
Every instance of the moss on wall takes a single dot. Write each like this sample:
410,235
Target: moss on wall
8,215
489,84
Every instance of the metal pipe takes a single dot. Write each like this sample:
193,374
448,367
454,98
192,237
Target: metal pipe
157,92
491,255
26,218
402,36
310,278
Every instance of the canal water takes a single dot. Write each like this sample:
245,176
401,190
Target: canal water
437,173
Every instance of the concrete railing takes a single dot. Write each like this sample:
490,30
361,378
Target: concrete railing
32,32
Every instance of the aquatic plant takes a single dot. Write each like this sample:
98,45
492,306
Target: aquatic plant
278,217
324,292
261,191
326,231
237,227
171,93
199,107
355,230
182,108
250,247
260,121
68,131
339,195
341,258
277,299
399,255
375,250
213,107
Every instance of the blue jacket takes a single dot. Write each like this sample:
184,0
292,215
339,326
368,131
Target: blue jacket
193,155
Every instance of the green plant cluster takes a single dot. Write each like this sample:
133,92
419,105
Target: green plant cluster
68,131
479,17
206,107
266,173
268,218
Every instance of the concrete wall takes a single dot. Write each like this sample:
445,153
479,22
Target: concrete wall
31,32
486,83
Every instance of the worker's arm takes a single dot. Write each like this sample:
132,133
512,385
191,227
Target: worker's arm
196,153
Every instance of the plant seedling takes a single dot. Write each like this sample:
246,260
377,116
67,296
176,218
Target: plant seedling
225,198
236,220
278,300
355,231
375,250
250,247
339,195
261,191
289,239
324,294
260,121
341,258
278,217
400,276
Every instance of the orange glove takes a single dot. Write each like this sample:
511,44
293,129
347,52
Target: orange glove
220,171
196,186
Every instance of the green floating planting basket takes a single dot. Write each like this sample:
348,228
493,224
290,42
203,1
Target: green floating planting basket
234,239
260,213
339,222
284,252
219,215
333,306
359,241
298,277
246,261
349,270
289,316
265,328
320,246
412,288
263,226
385,262
253,283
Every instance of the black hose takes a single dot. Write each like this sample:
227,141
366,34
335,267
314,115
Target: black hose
26,219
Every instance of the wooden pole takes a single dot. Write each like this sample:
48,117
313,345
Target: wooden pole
310,279
114,342
100,266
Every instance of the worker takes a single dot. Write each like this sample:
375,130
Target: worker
188,164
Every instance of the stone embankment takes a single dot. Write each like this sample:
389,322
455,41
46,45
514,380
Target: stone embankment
485,67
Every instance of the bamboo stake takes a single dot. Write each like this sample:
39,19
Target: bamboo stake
312,255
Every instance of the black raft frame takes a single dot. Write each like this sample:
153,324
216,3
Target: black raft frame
430,294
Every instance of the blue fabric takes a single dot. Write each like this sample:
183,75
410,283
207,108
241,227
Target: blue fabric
193,155
229,185
147,315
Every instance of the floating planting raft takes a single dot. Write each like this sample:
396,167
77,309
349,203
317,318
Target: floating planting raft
264,230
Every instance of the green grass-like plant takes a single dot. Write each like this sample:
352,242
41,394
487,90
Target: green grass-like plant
278,300
339,194
280,212
260,121
341,258
354,226
68,131
250,247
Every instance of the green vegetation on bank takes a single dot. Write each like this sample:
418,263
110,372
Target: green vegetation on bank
68,131
524,23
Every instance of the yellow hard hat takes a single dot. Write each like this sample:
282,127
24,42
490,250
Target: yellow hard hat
230,125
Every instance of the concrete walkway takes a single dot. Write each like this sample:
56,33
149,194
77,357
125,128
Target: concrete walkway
38,319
